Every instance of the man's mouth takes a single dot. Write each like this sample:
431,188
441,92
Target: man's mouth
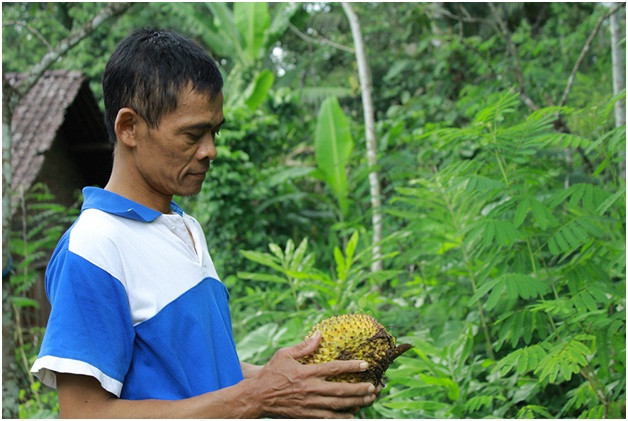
199,174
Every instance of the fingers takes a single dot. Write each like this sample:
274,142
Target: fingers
335,367
309,345
290,382
321,414
359,394
380,387
341,404
306,347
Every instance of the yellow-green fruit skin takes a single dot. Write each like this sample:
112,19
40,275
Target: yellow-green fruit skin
355,337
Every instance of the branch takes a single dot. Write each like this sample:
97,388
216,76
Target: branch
585,48
30,29
74,38
321,41
502,28
468,18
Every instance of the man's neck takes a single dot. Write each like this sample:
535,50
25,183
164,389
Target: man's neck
118,183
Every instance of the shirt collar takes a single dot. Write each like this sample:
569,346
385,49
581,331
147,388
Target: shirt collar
106,201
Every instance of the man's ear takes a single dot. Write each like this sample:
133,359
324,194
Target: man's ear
126,126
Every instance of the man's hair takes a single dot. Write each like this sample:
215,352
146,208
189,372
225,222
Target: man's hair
147,72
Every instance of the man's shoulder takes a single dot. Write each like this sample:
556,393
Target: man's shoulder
98,225
98,233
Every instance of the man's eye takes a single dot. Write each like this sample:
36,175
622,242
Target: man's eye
194,136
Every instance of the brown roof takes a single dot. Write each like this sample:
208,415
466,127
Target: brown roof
56,96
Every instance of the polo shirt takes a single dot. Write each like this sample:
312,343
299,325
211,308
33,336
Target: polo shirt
137,304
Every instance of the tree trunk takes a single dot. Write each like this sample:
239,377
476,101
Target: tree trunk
619,80
371,143
10,387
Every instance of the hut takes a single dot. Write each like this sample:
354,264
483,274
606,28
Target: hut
59,140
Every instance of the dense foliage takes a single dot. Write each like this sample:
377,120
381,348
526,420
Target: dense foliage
503,189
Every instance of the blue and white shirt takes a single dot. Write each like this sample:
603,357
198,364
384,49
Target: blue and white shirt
137,304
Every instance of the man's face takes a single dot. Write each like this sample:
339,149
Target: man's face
173,158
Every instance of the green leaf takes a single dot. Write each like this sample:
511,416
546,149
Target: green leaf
257,341
262,258
572,235
219,41
606,204
529,411
482,290
477,402
223,17
264,277
514,284
24,302
529,354
522,363
542,215
289,250
495,296
317,94
522,210
453,390
341,268
350,249
489,233
299,253
333,146
562,358
276,250
252,21
603,351
285,174
259,88
482,183
528,326
503,231
417,405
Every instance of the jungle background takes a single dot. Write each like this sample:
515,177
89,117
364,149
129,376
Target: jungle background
476,208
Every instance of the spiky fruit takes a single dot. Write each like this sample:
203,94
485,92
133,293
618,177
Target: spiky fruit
355,337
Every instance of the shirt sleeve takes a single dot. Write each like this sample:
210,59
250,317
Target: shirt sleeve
90,330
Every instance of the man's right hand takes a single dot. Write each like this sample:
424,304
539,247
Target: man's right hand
287,388
282,388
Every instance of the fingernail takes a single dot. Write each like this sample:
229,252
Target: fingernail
371,389
364,365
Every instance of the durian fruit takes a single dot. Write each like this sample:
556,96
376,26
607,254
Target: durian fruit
355,337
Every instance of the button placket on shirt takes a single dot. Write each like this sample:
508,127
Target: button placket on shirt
180,230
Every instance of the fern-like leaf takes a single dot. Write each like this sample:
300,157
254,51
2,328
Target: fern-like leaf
572,235
522,360
477,402
564,359
514,284
585,195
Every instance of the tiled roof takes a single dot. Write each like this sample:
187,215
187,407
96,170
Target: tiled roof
41,113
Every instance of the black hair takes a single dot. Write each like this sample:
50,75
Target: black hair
147,71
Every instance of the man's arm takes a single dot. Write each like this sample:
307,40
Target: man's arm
283,388
83,397
249,370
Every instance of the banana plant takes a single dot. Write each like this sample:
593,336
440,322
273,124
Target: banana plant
332,148
243,36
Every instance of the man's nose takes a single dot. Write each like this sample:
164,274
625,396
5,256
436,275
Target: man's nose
207,149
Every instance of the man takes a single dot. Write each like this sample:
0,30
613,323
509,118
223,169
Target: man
140,324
